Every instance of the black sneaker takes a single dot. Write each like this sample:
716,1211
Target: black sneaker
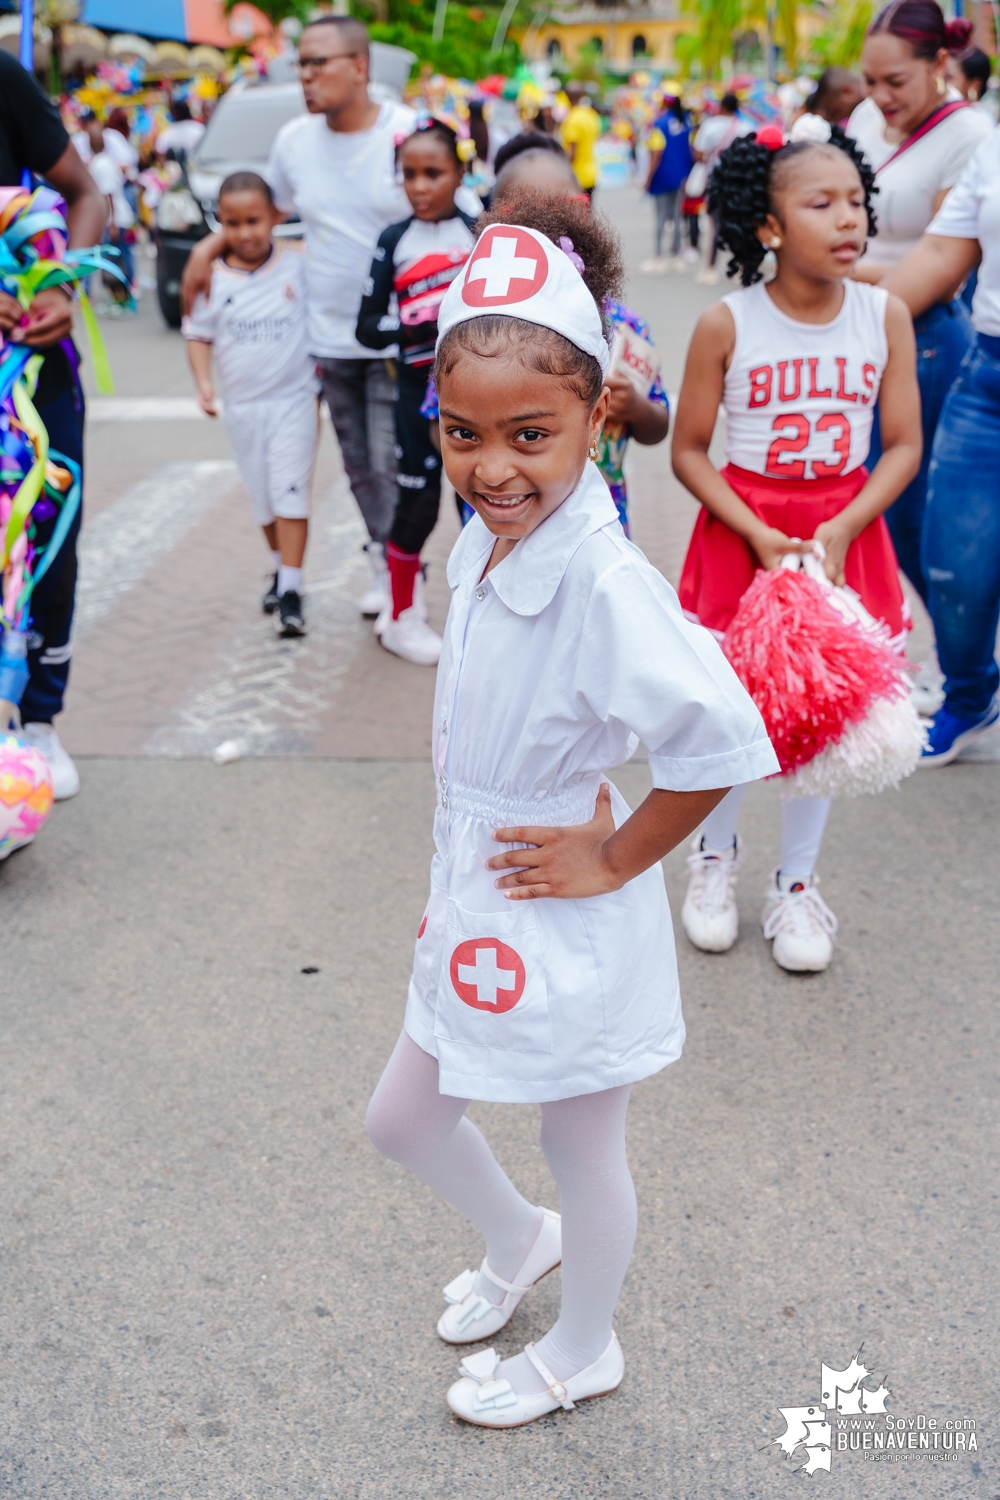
291,620
269,603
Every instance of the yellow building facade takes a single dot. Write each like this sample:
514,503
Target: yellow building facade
628,35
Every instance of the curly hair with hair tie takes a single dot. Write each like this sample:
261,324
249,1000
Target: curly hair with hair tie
741,194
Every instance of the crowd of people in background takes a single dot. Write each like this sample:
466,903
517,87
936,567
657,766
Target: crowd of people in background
389,198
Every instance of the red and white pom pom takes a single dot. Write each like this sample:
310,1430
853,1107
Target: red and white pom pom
831,693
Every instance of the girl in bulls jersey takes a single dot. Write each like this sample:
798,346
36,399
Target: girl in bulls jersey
797,362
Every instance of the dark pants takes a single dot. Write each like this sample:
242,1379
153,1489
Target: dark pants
52,602
361,395
418,465
961,552
944,335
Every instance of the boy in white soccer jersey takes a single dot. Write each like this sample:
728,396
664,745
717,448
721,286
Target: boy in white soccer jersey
254,320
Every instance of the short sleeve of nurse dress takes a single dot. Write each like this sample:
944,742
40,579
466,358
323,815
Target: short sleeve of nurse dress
554,668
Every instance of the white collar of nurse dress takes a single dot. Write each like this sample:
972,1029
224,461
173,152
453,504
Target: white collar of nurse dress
519,273
527,579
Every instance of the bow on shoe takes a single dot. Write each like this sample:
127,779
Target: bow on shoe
461,1293
492,1394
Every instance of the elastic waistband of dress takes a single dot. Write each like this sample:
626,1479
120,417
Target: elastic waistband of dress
550,810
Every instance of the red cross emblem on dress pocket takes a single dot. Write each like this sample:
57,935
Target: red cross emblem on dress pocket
506,266
487,975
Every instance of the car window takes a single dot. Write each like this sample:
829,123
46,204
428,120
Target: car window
243,128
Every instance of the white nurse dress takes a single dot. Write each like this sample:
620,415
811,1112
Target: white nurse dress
554,667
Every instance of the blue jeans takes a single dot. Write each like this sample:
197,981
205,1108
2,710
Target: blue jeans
961,550
944,335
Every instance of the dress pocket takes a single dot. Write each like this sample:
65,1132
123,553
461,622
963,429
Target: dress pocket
492,990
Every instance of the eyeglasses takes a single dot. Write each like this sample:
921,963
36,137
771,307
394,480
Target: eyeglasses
314,64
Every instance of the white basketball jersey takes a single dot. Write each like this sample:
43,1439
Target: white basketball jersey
799,396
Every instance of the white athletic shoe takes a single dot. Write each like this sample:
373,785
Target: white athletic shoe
655,266
709,913
708,277
678,263
375,597
927,691
487,1402
411,638
65,776
802,926
691,256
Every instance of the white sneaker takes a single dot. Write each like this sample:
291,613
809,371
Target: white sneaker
655,266
65,776
691,256
411,638
927,691
709,914
678,263
375,597
802,926
708,277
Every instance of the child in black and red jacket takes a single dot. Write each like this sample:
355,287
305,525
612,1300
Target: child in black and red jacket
415,262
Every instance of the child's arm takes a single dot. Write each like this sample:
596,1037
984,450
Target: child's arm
593,858
647,421
376,329
697,409
200,360
902,443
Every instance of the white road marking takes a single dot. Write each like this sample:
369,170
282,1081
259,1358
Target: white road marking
152,409
120,545
271,695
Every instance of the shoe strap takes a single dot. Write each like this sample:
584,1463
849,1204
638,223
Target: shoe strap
507,1286
557,1388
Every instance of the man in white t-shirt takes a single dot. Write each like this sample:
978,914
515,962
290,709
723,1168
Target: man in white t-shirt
111,180
336,168
713,136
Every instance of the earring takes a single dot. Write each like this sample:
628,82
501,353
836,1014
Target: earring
776,243
592,452
940,85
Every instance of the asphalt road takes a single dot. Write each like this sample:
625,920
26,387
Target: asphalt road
214,1289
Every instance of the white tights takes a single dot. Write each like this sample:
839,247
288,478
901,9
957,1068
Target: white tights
583,1140
803,820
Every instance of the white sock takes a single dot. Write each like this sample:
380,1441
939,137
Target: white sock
718,831
803,820
584,1144
275,559
289,578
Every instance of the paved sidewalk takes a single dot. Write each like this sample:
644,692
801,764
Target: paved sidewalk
214,1289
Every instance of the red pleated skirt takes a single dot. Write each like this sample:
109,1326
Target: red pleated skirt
719,566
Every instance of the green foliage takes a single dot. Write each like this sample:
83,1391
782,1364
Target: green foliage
839,44
718,22
465,49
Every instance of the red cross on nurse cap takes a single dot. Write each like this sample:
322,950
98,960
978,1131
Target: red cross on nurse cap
519,273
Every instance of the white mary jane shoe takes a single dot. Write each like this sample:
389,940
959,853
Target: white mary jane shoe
469,1317
480,1399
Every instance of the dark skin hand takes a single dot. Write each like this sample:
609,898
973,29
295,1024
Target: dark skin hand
50,316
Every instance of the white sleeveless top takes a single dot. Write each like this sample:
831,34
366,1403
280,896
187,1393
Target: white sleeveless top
799,396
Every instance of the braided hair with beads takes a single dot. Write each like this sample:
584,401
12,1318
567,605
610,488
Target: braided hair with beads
740,192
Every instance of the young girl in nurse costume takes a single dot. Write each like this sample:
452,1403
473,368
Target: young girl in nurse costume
544,970
797,363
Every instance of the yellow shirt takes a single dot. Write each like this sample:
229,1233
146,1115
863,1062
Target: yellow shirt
582,129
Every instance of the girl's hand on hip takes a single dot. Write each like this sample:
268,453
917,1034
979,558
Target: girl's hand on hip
563,862
836,538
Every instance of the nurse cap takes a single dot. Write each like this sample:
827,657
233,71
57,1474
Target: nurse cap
519,273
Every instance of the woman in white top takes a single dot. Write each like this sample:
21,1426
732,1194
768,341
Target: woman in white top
918,137
962,526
